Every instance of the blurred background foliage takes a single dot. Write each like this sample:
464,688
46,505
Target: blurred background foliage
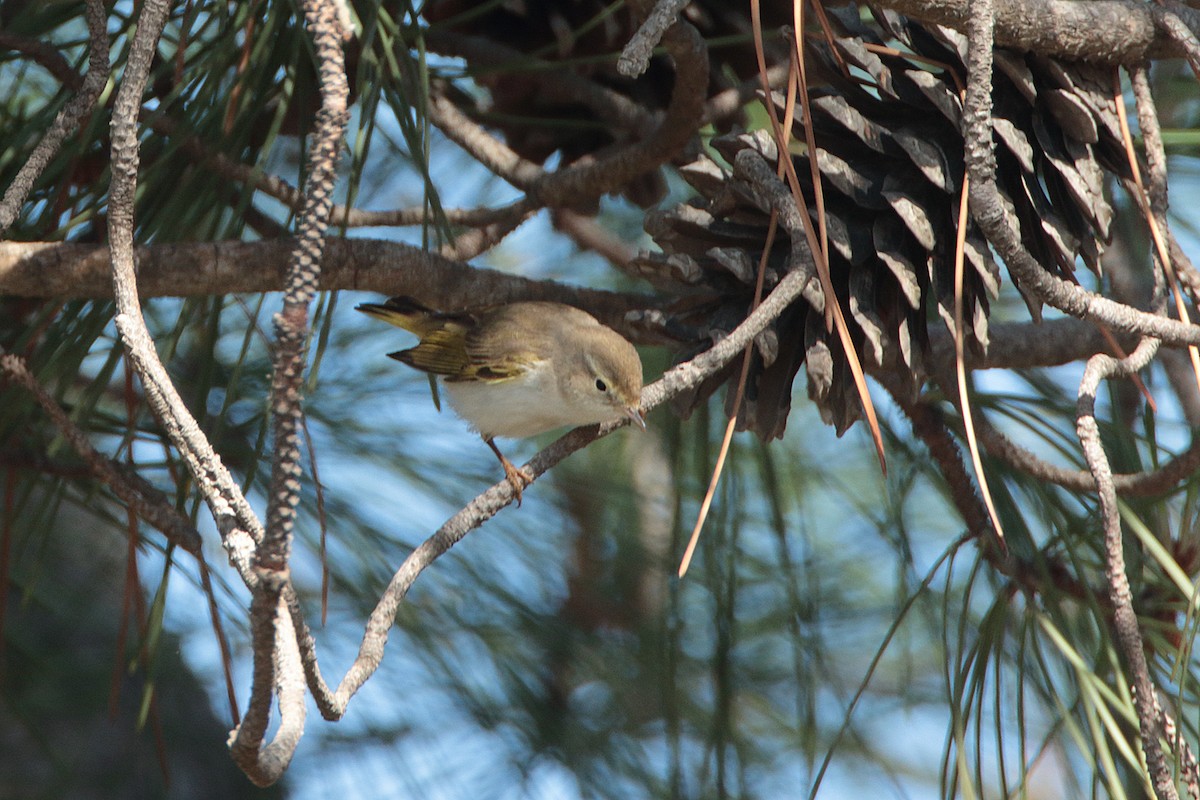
838,635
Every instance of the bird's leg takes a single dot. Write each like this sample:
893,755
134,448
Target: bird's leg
517,478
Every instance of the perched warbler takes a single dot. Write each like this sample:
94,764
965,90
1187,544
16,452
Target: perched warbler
521,369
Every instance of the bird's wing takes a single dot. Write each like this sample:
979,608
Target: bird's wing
511,348
441,351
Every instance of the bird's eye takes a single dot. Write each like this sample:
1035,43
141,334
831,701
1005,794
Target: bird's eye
601,385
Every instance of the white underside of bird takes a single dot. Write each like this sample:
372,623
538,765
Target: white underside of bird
503,408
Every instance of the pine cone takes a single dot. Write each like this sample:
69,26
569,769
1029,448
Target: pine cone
890,155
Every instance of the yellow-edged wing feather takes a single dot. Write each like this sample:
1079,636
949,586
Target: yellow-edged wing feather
451,345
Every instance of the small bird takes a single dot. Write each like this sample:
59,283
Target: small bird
521,369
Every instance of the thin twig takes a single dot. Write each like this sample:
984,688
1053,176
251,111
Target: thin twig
497,157
141,498
45,54
727,103
1028,574
678,125
1150,483
592,236
1153,200
993,218
1168,22
471,243
340,215
960,365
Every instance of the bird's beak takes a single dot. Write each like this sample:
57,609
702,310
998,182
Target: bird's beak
635,415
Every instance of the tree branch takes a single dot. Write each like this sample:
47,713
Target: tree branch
293,198
1100,31
635,57
684,115
67,120
1125,623
190,269
239,527
277,665
555,84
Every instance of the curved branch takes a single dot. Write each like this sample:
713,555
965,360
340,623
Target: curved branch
990,211
495,155
1125,621
235,519
635,57
678,379
46,55
277,665
930,427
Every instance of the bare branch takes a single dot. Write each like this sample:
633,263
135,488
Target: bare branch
277,666
727,103
990,212
471,243
575,184
265,765
1178,369
292,197
996,221
1125,622
1022,345
67,120
489,151
1189,768
45,54
1169,22
930,427
235,519
188,269
1139,484
1100,31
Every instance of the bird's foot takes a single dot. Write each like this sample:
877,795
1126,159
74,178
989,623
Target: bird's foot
517,478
